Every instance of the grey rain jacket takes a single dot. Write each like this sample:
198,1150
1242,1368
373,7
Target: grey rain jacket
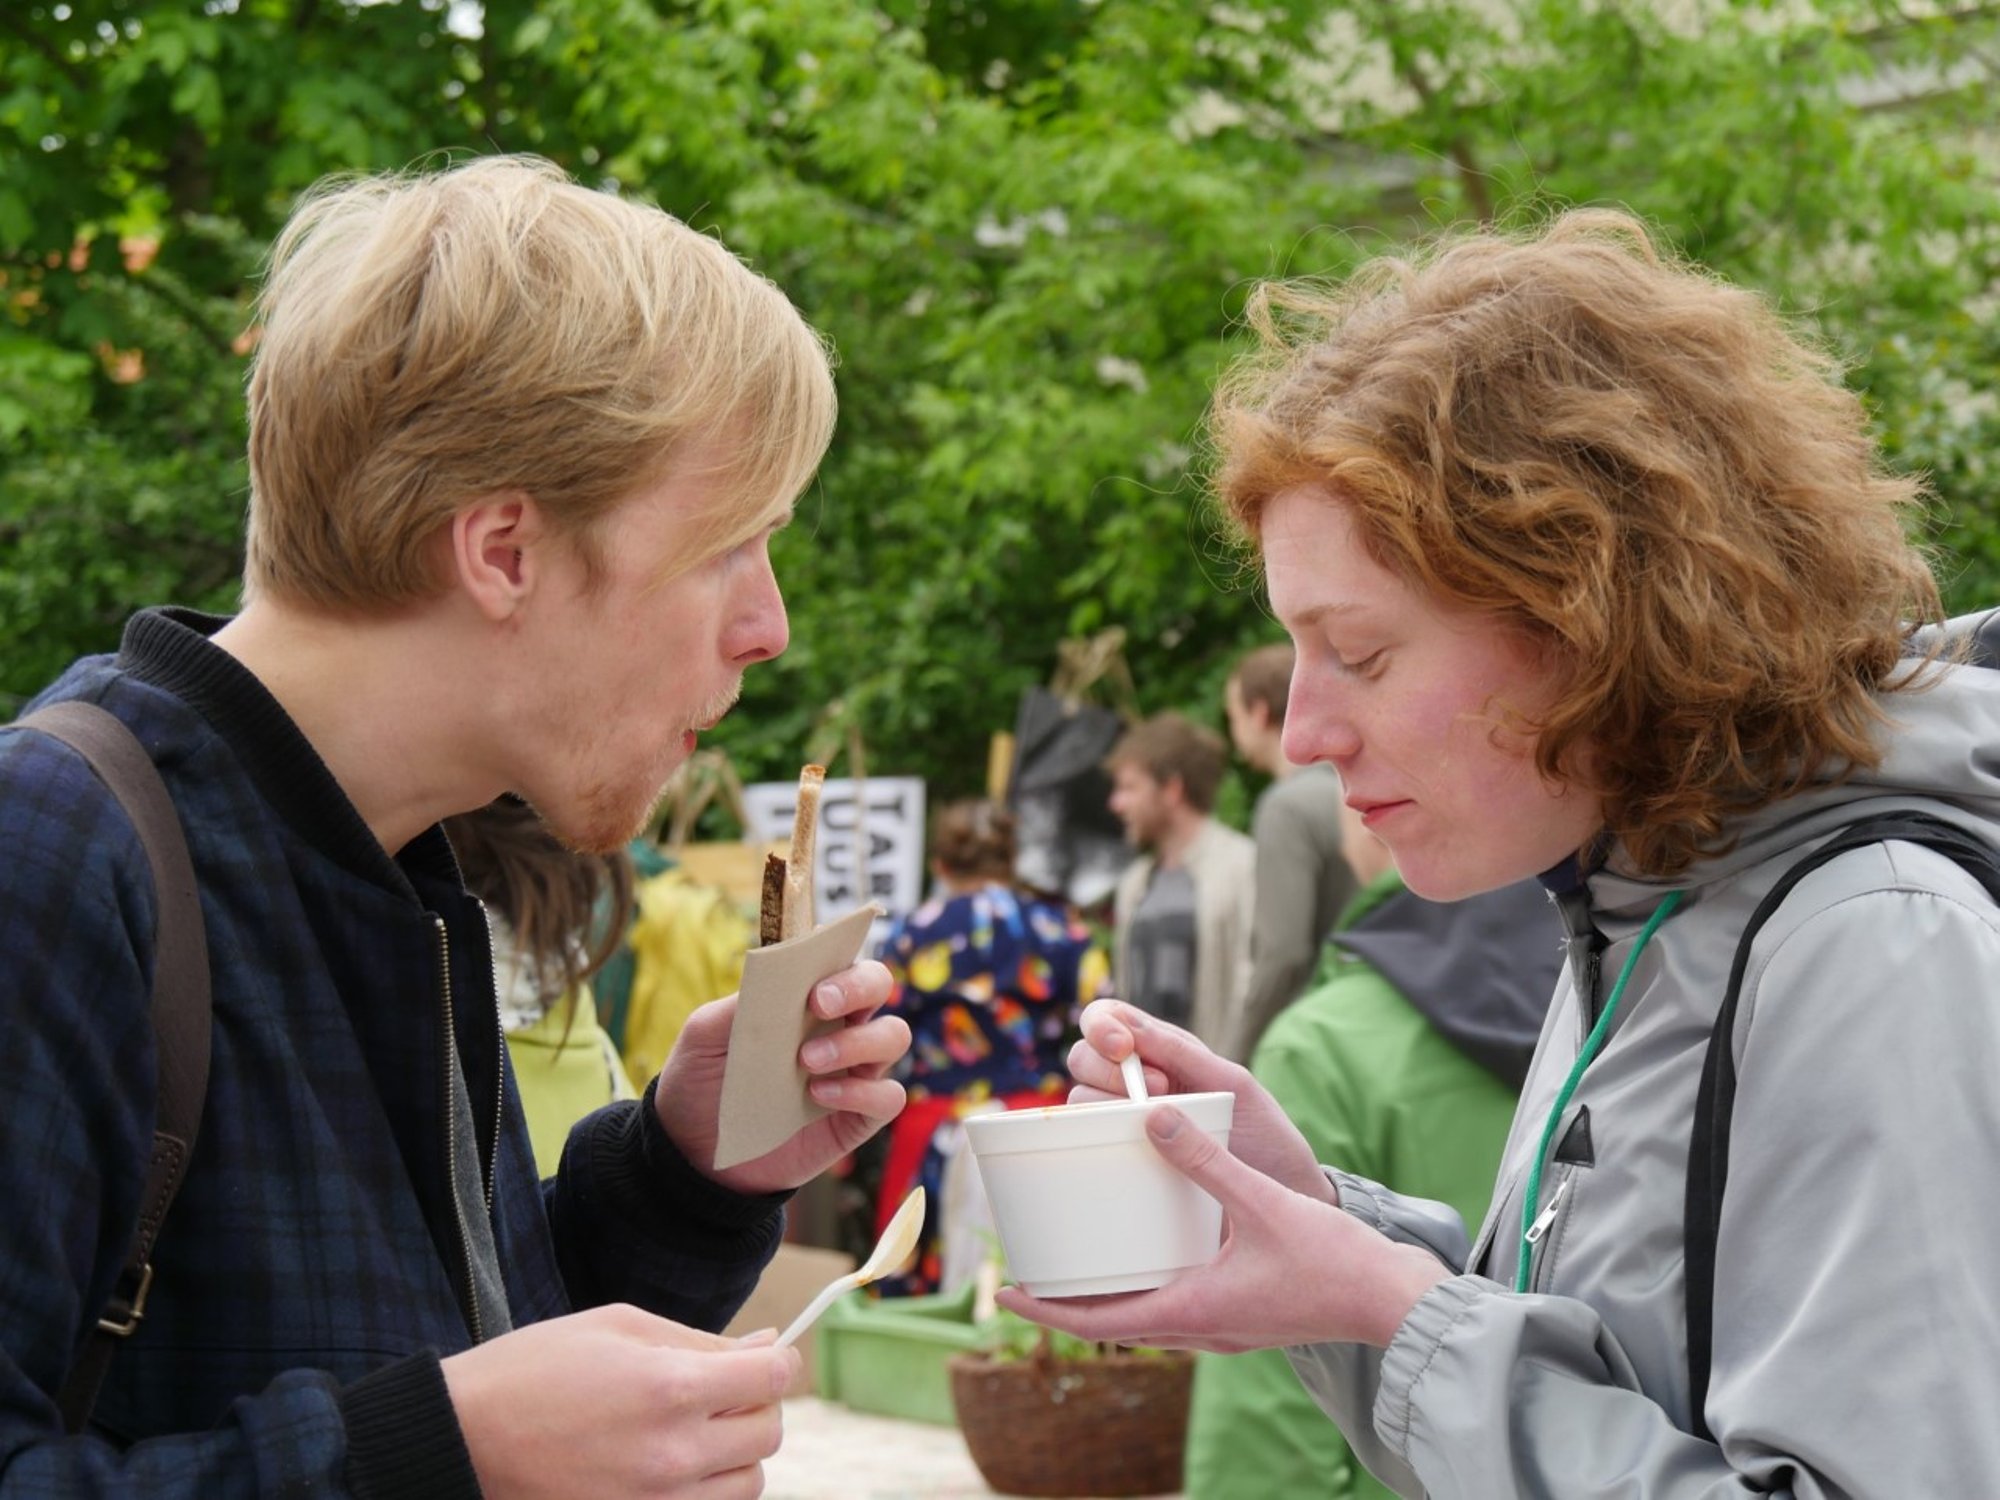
1857,1306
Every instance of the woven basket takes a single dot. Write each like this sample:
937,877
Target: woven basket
1113,1425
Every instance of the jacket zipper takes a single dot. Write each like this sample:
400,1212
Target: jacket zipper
1546,1219
1538,1231
471,1303
1585,964
1585,956
499,1107
499,1072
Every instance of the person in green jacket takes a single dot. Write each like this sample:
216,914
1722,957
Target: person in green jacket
1401,1063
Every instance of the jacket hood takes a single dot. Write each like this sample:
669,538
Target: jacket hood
1942,757
1480,970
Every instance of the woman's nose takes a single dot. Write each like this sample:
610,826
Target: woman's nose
1317,727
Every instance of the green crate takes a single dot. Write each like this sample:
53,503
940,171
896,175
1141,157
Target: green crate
887,1355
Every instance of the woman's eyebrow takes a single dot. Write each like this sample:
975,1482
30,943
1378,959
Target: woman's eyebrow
1319,612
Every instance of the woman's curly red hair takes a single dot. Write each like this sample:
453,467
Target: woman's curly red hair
1642,466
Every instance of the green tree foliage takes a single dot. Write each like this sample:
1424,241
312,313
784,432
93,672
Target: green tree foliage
1026,227
148,150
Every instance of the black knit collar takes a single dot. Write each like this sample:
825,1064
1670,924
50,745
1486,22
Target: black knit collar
1564,876
170,648
1572,872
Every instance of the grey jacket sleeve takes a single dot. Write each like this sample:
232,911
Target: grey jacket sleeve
1422,1222
1855,1321
1284,936
1343,1378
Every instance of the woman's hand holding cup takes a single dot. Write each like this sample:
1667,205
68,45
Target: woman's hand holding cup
1261,1135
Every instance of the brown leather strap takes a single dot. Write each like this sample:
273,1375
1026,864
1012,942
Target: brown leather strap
180,1009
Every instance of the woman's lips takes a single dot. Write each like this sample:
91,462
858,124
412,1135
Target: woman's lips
1373,813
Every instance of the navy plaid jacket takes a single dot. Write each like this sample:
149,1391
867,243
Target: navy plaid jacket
310,1274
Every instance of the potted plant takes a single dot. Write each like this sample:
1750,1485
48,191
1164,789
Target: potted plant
1044,1413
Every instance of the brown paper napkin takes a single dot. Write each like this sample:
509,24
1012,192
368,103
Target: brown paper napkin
764,1098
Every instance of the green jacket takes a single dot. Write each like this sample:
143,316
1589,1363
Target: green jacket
1378,1088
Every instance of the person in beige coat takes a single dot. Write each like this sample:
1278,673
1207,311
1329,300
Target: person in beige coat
1183,909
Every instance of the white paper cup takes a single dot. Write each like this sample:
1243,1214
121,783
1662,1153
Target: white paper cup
1084,1203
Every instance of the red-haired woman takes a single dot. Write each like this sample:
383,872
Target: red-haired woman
1595,574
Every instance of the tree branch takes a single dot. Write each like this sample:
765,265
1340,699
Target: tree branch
489,86
178,299
1458,147
44,46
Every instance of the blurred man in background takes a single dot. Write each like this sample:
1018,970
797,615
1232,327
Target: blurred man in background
1182,911
1303,884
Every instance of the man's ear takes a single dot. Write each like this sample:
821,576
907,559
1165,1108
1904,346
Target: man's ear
493,554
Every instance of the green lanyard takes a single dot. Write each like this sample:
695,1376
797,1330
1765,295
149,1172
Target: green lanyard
1529,1234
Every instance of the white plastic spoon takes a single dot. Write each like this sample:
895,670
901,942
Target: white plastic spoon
1135,1077
898,1240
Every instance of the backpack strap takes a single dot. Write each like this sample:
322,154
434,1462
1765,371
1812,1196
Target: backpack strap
180,1012
1708,1148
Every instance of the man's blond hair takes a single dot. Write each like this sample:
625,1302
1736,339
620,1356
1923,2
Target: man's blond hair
429,338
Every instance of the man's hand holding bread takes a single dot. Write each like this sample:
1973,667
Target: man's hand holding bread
848,1065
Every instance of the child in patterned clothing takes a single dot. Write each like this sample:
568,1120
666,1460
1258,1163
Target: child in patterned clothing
989,979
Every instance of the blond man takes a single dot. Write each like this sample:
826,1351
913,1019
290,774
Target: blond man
517,450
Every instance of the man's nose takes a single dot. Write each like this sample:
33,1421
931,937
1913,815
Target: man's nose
763,628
